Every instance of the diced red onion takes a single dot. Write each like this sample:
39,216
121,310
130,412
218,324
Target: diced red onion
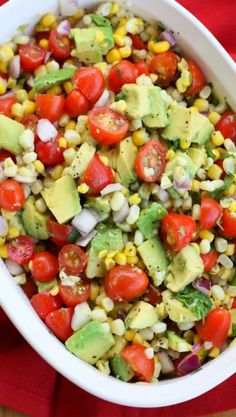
47,57
84,241
167,366
68,7
8,95
111,188
102,101
120,215
189,364
86,221
203,285
63,28
163,195
13,267
197,346
167,35
121,314
14,67
3,226
185,185
46,130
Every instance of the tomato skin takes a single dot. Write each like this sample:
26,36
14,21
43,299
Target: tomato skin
211,211
71,296
44,303
234,303
76,104
142,68
21,249
209,260
124,72
90,82
137,42
12,197
198,79
44,266
152,295
30,121
29,288
72,259
142,366
153,155
227,125
50,153
59,322
59,233
59,45
107,126
177,230
31,56
165,66
228,224
124,283
97,176
216,326
6,105
6,154
50,107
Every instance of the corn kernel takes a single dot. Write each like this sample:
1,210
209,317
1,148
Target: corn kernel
62,142
109,263
125,51
214,352
232,206
185,143
180,86
40,71
170,154
6,53
3,86
205,234
70,125
216,152
3,252
130,250
129,335
55,90
102,253
56,172
138,339
83,188
113,55
31,94
21,95
132,260
68,86
13,232
231,190
201,104
196,339
2,241
214,117
150,45
230,249
48,20
135,199
39,166
94,291
115,8
160,47
119,40
40,205
217,138
43,43
104,160
140,137
11,83
195,186
120,258
215,172
17,110
29,107
121,31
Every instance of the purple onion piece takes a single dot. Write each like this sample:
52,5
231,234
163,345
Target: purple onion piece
197,346
121,314
186,185
167,35
63,28
203,285
8,95
189,364
47,57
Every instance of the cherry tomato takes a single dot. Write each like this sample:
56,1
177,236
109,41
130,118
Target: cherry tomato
44,266
122,73
4,75
137,42
59,45
6,105
30,122
227,125
177,230
215,327
150,161
44,303
6,154
71,296
97,175
50,153
21,249
72,259
59,322
123,283
234,303
142,68
135,356
42,35
107,126
211,212
152,295
90,82
31,56
50,107
59,233
209,260
12,195
198,79
228,224
29,288
165,66
76,104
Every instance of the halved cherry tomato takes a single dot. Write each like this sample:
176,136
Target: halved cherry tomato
50,153
211,211
209,260
97,175
12,195
4,75
227,125
31,56
107,126
142,68
21,249
123,283
137,42
122,73
152,295
71,296
30,122
76,104
135,356
29,288
42,35
59,45
50,107
234,303
6,154
59,233
198,79
165,66
228,224
90,82
150,161
44,303
72,259
44,266
177,230
215,327
59,322
6,105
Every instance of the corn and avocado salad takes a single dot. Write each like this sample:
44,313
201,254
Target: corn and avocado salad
118,192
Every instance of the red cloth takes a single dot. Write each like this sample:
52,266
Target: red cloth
30,385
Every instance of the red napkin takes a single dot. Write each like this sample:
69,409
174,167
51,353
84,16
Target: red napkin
29,385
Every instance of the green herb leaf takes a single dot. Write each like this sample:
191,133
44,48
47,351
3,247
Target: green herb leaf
234,329
120,96
22,28
210,153
100,21
219,193
173,193
19,213
200,304
73,236
175,144
196,197
119,73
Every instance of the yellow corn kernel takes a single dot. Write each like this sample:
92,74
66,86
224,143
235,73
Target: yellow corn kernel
17,110
132,260
195,186
214,117
193,108
103,253
38,166
70,125
55,290
214,352
115,8
62,142
217,303
68,86
125,51
170,154
130,249
6,53
120,258
160,47
111,253
180,86
129,335
231,190
137,339
48,20
11,82
31,94
109,320
3,252
113,55
13,232
205,234
55,90
29,107
120,105
140,137
230,249
102,66
43,43
109,263
83,188
232,207
3,86
3,66
201,104
119,40
56,173
217,138
216,153
104,160
94,291
196,339
99,36
123,21
21,95
135,199
150,45
185,143
2,240
125,191
214,172
121,31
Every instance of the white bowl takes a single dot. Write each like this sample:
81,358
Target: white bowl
221,70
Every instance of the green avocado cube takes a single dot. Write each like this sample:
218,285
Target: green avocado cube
148,219
47,81
82,159
92,43
127,152
35,223
120,368
10,131
177,343
141,315
154,257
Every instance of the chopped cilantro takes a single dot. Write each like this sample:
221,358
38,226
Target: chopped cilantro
119,73
234,329
100,20
22,28
200,304
210,153
120,96
219,192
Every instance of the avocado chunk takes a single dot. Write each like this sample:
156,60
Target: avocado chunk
10,131
141,315
90,342
176,310
177,343
181,159
35,223
186,266
120,344
82,159
148,219
101,205
198,156
154,257
92,43
46,286
233,322
125,161
62,198
55,77
120,368
187,124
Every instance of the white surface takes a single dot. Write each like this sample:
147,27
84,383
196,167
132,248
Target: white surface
217,65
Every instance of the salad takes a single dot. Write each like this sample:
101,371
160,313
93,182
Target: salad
118,192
